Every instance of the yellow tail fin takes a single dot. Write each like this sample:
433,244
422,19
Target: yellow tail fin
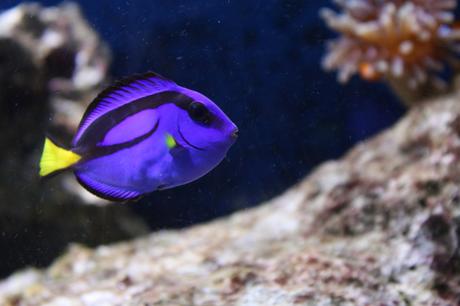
55,158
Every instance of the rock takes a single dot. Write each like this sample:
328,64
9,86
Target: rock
73,59
378,227
69,64
44,55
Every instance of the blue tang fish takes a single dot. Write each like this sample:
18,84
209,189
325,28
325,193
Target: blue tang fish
143,134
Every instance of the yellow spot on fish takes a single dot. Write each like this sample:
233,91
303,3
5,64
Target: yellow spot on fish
170,141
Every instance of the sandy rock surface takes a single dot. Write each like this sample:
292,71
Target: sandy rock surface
378,227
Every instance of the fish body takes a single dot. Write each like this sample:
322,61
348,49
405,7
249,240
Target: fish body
144,134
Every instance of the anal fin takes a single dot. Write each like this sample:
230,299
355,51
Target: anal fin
106,191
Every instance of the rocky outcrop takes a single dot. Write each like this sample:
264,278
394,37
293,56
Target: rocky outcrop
51,65
378,227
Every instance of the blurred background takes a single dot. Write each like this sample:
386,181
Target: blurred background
259,60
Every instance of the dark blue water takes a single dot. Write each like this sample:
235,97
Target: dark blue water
260,61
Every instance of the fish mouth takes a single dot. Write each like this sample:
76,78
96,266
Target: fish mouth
186,141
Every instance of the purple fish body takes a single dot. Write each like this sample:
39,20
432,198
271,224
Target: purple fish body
147,133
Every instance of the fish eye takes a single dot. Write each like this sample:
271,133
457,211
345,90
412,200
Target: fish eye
199,113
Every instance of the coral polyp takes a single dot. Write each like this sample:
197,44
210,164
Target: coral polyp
404,41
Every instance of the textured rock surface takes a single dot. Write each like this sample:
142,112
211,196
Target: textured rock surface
379,227
37,221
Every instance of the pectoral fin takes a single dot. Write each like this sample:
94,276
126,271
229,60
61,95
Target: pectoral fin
171,143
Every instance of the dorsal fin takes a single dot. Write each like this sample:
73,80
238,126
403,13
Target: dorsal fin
121,93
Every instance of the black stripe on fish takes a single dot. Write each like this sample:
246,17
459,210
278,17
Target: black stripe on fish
122,92
99,151
96,132
119,85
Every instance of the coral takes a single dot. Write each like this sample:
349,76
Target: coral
409,42
378,227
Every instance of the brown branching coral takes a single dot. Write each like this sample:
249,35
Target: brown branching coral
406,42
